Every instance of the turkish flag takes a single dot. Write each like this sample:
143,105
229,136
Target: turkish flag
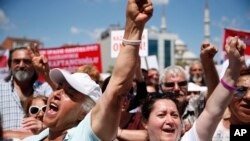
243,35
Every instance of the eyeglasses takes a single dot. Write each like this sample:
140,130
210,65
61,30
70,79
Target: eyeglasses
35,109
25,61
172,84
240,91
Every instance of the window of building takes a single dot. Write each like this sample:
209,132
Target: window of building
167,53
153,47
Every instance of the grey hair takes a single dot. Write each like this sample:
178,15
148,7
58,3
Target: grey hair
173,70
88,104
195,62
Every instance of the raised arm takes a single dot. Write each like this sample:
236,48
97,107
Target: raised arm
106,114
207,54
222,95
40,63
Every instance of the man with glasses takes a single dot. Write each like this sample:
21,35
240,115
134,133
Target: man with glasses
17,87
174,80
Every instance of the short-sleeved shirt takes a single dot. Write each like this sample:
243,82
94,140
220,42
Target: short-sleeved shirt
82,131
11,109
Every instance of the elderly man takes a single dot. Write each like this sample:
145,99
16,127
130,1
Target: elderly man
17,87
173,79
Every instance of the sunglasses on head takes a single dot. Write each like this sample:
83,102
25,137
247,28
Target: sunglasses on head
35,109
172,84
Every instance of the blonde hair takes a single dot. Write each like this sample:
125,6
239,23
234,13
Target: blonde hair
91,70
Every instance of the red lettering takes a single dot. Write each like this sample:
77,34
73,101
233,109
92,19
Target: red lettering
116,47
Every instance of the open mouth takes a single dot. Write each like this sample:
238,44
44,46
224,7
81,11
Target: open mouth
53,107
52,110
169,130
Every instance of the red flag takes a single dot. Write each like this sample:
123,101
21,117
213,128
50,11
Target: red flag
243,35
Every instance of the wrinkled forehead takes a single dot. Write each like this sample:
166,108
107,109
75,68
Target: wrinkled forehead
175,76
21,53
244,80
165,104
196,65
152,71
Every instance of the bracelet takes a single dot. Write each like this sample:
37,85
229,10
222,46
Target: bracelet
227,86
131,42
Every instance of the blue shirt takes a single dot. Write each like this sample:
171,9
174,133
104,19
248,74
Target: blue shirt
82,131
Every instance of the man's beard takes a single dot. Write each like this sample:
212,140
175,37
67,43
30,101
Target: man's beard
197,78
22,75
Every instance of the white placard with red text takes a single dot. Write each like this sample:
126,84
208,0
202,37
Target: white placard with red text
116,42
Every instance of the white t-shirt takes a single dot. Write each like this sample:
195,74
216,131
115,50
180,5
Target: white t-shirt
191,135
221,133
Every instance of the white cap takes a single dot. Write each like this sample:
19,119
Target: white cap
79,81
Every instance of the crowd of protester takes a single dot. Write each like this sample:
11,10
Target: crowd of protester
132,104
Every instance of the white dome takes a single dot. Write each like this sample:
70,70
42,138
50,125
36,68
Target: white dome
189,55
179,42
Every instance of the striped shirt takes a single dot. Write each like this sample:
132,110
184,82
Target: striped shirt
11,109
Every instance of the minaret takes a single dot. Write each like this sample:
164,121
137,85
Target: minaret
163,19
206,22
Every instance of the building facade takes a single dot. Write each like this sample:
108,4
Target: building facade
13,42
164,45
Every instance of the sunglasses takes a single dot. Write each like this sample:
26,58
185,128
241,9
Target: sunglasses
172,84
35,109
240,92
